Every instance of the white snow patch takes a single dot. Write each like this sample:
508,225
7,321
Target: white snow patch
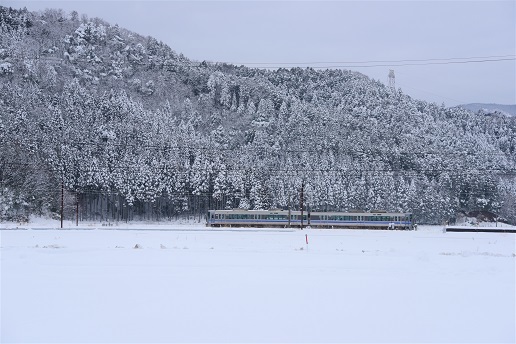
248,285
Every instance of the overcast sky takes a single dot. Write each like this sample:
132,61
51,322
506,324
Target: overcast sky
335,33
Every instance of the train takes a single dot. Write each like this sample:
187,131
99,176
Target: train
316,219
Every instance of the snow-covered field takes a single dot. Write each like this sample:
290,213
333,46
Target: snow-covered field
186,283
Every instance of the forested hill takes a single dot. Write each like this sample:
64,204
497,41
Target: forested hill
131,129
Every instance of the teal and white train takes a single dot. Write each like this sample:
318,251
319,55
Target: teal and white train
288,218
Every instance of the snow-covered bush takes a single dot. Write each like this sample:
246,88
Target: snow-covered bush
6,68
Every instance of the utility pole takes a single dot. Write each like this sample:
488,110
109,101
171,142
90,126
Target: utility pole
289,206
76,210
62,202
301,201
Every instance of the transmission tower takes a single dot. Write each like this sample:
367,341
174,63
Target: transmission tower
392,79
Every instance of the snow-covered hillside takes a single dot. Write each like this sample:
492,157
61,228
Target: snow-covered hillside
129,129
189,284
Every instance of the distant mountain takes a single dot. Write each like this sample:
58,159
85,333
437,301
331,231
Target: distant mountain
508,109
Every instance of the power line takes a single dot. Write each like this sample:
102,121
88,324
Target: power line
350,64
373,61
438,95
270,150
292,169
400,64
485,189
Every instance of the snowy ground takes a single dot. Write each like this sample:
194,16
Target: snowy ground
187,283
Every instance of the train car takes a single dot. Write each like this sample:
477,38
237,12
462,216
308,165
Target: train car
255,218
369,220
288,218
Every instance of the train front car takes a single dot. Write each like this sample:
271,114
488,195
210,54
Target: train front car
251,218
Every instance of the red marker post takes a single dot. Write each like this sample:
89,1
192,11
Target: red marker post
306,238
